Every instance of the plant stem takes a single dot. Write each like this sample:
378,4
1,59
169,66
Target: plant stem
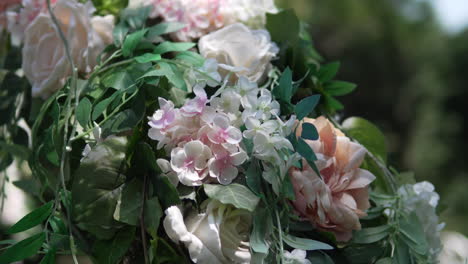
280,231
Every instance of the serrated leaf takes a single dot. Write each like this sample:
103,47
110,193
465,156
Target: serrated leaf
169,46
283,91
83,112
367,134
371,234
131,42
148,57
23,249
305,243
238,195
306,106
32,219
339,88
328,71
164,28
309,131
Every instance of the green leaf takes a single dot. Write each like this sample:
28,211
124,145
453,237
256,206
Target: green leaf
367,134
111,251
166,192
49,258
384,261
305,243
338,88
287,189
148,57
328,71
191,57
332,104
319,257
235,194
119,33
83,112
371,234
253,178
164,28
305,150
144,153
131,42
16,150
309,131
32,219
153,214
101,106
306,106
168,46
283,91
262,226
118,80
413,234
100,175
23,249
129,205
284,26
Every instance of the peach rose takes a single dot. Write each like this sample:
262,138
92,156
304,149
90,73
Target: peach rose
336,200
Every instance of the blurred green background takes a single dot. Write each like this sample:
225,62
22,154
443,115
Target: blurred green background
411,77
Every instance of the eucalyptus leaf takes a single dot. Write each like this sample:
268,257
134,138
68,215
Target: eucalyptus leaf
283,91
413,234
309,131
305,243
238,195
306,106
32,219
23,249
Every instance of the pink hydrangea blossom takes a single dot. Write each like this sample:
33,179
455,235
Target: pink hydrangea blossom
339,197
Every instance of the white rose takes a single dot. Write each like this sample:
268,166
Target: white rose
219,235
241,50
45,63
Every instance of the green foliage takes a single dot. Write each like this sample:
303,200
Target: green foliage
131,41
371,234
262,228
32,219
305,243
111,251
238,195
168,46
306,106
309,132
23,249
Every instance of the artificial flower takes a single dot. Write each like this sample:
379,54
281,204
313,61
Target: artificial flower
336,199
45,63
297,256
218,235
241,50
190,162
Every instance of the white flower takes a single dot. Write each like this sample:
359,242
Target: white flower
247,90
241,50
421,199
297,256
223,165
190,162
219,235
253,126
268,145
228,102
45,63
222,132
164,116
262,107
205,75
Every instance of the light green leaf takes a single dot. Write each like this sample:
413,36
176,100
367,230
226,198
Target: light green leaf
131,42
171,72
261,230
101,106
83,112
371,234
253,178
235,194
413,234
367,134
191,57
168,46
148,57
306,106
23,249
164,28
32,219
119,33
304,243
118,80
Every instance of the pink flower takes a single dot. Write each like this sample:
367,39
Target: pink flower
163,117
336,200
223,166
196,105
223,132
190,162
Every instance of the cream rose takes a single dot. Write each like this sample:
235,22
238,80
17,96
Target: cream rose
45,63
241,50
219,235
339,197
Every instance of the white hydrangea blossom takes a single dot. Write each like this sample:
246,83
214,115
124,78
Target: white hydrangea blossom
422,199
297,256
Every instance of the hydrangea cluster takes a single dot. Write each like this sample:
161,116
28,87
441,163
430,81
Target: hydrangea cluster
204,136
422,199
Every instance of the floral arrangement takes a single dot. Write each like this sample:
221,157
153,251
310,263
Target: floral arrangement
201,131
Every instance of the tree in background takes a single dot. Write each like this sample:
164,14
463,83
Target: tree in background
411,82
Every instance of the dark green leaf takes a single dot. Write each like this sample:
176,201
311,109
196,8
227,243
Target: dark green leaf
309,132
148,57
153,214
306,106
49,258
18,151
283,91
253,178
288,189
166,192
338,88
367,134
168,46
328,71
118,80
131,42
111,251
32,219
31,186
23,249
332,103
119,33
305,150
101,106
371,234
304,243
235,194
83,112
284,26
318,256
385,261
129,205
164,28
145,153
